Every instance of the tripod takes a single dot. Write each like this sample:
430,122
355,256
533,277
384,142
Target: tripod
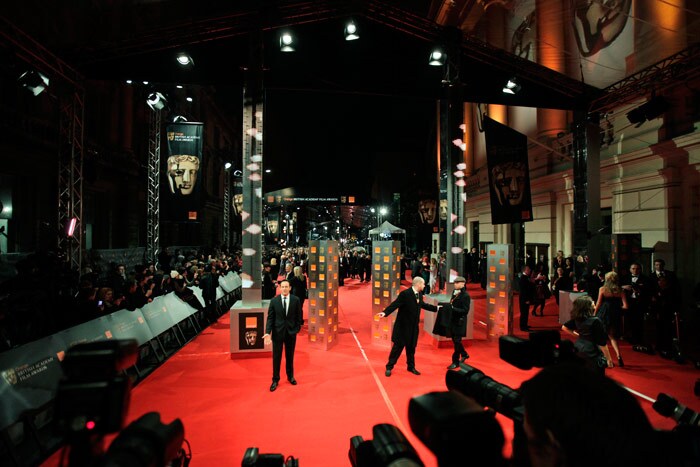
676,352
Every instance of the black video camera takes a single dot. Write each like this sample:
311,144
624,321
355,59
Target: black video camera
544,348
389,446
93,400
253,458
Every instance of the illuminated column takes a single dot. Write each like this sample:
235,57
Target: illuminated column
550,32
499,290
251,214
386,281
323,293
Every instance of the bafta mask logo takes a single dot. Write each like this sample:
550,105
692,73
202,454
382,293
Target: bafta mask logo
237,204
272,227
10,377
251,337
509,183
443,209
597,24
182,173
427,210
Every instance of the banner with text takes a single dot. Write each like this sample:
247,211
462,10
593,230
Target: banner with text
184,168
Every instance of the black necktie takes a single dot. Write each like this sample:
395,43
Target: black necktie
284,304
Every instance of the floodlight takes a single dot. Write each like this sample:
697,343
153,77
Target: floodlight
184,59
653,108
437,58
33,81
287,42
351,31
511,86
156,101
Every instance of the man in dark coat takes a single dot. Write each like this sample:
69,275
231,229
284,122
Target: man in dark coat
283,324
455,312
637,288
527,294
405,333
208,283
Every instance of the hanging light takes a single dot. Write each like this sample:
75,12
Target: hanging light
351,31
437,58
34,82
511,86
184,59
287,42
156,101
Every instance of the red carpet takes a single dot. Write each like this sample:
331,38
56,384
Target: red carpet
226,405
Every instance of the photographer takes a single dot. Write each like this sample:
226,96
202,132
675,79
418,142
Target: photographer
574,417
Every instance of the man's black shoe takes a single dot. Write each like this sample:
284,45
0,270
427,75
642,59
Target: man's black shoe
293,381
464,358
273,386
387,373
414,371
454,366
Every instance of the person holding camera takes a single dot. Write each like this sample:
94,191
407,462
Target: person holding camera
577,418
590,332
405,334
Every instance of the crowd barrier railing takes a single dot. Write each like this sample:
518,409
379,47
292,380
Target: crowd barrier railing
30,373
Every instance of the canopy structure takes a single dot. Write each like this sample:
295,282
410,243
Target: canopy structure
387,228
388,231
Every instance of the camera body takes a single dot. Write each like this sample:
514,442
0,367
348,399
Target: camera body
93,400
253,458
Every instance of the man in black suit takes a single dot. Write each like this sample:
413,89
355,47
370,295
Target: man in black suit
527,294
637,289
458,308
405,334
283,323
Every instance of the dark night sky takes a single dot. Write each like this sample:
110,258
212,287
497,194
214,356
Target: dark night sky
346,143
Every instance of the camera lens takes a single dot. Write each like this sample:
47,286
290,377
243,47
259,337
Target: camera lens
487,392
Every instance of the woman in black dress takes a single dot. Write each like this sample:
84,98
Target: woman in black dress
298,284
590,332
611,302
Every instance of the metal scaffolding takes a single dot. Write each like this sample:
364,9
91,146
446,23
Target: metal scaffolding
153,201
71,103
70,178
226,235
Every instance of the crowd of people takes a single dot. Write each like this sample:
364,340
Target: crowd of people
46,297
639,308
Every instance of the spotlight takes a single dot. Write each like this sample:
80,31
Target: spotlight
179,86
650,110
227,165
128,81
33,81
437,58
511,86
184,59
189,99
156,101
351,31
287,42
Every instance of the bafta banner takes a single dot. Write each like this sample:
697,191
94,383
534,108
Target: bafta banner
183,164
509,177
